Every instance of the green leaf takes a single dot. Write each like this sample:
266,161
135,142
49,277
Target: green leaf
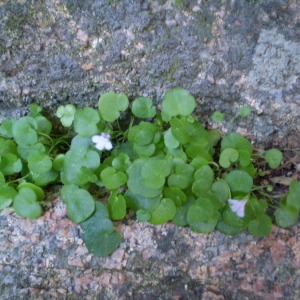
80,203
180,130
202,217
24,131
145,151
43,125
39,163
231,218
244,111
169,140
75,159
244,158
293,196
203,180
137,202
164,212
182,176
6,128
40,195
154,172
102,243
10,164
135,181
113,179
142,134
121,162
286,216
175,194
116,206
177,101
180,218
143,108
256,207
221,189
35,109
110,104
99,220
85,122
25,151
228,229
273,158
261,226
25,204
143,215
228,156
43,179
7,194
58,162
239,182
217,117
236,141
66,114
99,236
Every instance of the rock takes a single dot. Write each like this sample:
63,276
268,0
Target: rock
228,54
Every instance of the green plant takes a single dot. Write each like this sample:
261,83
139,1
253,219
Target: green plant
165,167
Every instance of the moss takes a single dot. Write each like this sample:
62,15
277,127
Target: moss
172,70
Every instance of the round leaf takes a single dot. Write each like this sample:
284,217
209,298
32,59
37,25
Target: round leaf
217,117
143,108
175,194
112,179
154,172
116,206
164,212
135,181
170,141
244,111
202,217
260,226
24,131
142,134
273,158
25,204
103,243
66,114
85,122
39,163
228,156
110,104
237,141
286,216
80,205
7,194
137,202
239,181
177,101
40,195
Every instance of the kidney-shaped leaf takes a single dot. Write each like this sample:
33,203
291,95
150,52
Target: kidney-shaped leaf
177,101
26,205
110,104
143,108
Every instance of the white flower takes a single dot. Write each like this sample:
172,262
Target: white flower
102,141
238,207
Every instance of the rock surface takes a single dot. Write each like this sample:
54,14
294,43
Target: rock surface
227,53
46,259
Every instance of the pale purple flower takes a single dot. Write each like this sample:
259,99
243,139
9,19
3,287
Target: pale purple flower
238,207
102,141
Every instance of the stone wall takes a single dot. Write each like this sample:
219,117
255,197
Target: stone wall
226,53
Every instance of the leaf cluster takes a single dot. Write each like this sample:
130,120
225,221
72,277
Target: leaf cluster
166,167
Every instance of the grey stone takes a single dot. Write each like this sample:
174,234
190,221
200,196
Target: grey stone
228,54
